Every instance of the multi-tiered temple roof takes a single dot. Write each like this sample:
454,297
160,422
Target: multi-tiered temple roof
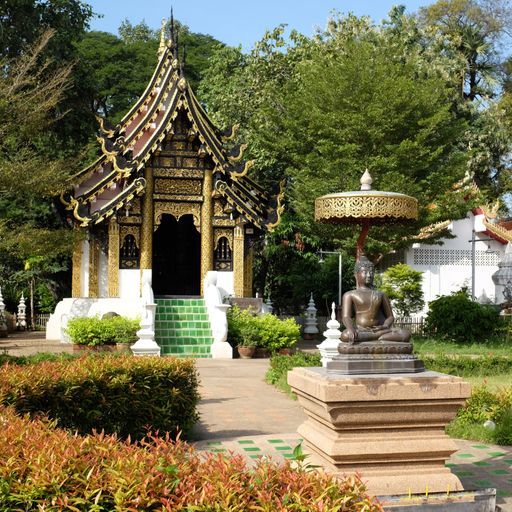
112,182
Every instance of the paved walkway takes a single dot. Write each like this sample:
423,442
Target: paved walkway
240,413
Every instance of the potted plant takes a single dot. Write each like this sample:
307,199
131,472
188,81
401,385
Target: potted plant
248,340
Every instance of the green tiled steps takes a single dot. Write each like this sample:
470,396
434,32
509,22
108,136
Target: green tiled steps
182,328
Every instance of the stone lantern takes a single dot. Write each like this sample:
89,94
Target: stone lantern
311,323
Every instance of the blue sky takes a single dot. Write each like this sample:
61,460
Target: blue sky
238,22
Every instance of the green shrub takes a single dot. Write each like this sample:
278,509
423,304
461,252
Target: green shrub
469,366
94,331
265,331
275,334
485,404
118,394
457,317
35,358
43,468
281,365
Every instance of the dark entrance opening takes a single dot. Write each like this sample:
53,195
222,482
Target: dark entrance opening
176,257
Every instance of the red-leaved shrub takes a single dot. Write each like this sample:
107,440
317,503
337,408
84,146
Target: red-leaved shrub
45,468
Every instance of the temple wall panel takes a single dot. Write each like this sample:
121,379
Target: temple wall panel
238,261
84,269
103,275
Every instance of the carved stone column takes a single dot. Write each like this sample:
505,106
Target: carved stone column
76,280
94,261
206,226
238,260
146,232
249,261
113,258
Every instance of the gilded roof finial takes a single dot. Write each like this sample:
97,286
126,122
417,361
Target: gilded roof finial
161,48
366,181
172,26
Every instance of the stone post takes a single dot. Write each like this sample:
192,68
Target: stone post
311,324
329,347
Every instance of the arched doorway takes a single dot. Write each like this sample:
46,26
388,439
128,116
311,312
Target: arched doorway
176,257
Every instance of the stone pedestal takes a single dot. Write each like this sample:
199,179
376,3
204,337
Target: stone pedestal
387,428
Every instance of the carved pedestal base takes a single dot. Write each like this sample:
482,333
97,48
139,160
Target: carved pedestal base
364,364
389,429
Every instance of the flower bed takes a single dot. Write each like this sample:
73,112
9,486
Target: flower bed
49,469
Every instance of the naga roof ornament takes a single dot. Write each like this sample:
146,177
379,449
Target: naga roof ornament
126,148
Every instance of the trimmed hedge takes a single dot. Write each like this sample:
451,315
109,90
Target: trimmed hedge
120,395
43,468
94,331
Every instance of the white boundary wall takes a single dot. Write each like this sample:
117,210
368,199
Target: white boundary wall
447,268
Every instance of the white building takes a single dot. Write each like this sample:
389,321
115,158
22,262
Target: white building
478,246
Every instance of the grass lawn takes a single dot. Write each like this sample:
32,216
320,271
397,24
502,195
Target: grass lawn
493,382
497,347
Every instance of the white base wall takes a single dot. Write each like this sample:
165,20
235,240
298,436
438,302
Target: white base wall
129,284
85,307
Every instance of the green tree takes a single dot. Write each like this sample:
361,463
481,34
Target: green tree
468,30
117,72
117,69
29,177
402,284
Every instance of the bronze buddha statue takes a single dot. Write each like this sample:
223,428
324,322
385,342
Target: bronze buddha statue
366,312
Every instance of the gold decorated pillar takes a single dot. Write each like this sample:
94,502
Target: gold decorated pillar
146,233
238,260
249,263
206,226
113,258
94,261
76,280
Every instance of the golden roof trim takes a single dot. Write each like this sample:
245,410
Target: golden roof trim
280,207
232,134
248,165
241,151
432,229
498,230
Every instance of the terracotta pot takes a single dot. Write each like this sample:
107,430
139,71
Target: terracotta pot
246,352
123,347
262,353
286,351
94,348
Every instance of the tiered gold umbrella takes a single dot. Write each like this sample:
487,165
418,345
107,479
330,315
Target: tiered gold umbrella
366,207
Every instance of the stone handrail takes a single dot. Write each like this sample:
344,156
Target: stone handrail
217,310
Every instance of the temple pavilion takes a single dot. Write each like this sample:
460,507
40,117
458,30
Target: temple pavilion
169,194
